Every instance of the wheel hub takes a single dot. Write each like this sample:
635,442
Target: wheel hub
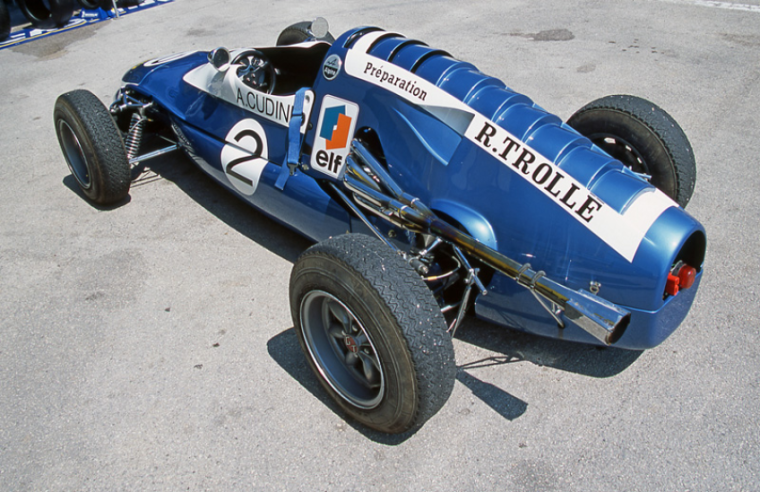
351,344
340,347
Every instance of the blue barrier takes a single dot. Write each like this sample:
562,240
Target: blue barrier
84,17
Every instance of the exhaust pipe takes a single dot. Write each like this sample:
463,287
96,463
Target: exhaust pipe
602,319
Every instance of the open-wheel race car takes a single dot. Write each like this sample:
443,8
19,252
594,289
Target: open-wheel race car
459,194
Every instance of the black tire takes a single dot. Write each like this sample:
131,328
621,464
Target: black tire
397,332
5,21
643,137
95,4
47,14
92,146
298,33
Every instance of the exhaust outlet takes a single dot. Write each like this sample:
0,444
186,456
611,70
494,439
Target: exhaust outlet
600,318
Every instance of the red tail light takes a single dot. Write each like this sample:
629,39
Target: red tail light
687,276
682,276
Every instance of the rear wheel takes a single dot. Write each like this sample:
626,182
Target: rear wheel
372,332
92,146
47,14
644,138
298,33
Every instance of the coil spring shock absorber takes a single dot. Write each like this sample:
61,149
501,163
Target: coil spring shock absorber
134,137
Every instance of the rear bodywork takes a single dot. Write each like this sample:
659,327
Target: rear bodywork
486,159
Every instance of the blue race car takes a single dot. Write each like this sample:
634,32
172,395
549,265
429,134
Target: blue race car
459,194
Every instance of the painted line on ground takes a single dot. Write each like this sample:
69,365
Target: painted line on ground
718,5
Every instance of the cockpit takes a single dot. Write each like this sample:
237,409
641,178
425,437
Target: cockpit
278,70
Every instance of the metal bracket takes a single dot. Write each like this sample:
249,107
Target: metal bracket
553,310
153,154
364,219
470,280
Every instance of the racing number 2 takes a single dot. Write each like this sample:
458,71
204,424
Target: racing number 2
254,155
245,155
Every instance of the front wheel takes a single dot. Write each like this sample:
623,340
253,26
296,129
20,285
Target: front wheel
92,145
644,138
372,332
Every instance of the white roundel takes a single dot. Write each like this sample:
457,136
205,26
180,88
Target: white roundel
245,155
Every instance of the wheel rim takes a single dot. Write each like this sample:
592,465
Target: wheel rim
74,154
623,151
342,350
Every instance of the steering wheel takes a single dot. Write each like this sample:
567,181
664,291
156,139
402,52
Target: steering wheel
255,70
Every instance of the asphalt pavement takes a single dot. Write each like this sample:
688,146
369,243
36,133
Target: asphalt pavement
150,346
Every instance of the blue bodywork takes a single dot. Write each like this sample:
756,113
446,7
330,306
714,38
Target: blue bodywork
431,155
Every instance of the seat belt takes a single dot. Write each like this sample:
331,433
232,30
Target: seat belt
293,152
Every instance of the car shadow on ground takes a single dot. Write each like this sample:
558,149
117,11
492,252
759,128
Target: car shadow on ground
511,347
508,406
515,346
286,351
214,198
219,202
71,183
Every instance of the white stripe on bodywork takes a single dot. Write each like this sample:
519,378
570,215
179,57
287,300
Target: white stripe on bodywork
366,41
226,85
623,232
168,58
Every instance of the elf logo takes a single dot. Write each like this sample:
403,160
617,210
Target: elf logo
337,120
335,127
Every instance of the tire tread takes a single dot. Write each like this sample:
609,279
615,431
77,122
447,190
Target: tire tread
112,177
664,126
411,304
